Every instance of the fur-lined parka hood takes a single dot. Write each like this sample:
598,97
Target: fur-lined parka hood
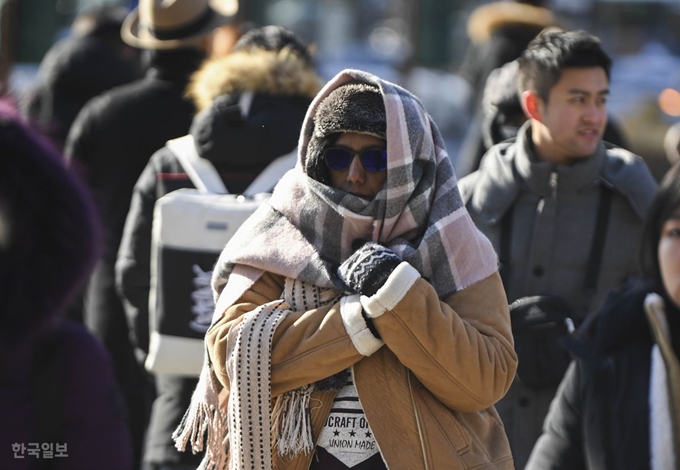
488,18
271,72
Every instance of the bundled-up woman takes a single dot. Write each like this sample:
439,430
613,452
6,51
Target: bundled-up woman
361,321
618,406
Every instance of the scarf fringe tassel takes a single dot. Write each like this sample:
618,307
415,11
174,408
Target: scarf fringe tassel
204,420
291,418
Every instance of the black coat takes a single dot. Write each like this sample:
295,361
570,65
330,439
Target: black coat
74,71
111,142
239,149
600,417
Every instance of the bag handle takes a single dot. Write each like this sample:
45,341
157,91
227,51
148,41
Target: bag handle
201,172
205,177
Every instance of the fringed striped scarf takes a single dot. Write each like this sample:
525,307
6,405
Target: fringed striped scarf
303,233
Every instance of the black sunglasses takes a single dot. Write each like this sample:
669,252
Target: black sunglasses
340,158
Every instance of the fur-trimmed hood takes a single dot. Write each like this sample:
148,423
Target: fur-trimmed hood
271,72
486,19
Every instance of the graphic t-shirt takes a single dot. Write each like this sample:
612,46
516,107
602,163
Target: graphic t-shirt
346,441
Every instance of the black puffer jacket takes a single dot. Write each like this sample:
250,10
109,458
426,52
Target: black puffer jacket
600,418
239,147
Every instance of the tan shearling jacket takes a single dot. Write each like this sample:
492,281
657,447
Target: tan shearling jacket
428,392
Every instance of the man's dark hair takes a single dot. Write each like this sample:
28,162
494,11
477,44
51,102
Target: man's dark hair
274,38
665,203
541,64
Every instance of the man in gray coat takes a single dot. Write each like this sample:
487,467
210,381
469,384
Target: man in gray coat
563,208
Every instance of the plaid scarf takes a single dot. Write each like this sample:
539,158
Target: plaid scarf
307,229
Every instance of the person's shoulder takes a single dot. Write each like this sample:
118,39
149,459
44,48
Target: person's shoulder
619,158
467,184
619,322
111,101
164,160
495,167
77,344
630,175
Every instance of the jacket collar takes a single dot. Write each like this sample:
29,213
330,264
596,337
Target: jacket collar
513,166
537,175
175,65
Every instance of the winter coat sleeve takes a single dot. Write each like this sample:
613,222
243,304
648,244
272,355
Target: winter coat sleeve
307,346
561,444
466,186
77,150
133,266
461,349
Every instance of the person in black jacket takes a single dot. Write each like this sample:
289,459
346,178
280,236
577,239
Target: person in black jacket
91,61
110,143
272,66
618,405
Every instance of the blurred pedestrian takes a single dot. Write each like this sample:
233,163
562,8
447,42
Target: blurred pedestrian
271,68
58,395
499,31
618,406
91,60
361,302
111,142
555,203
227,35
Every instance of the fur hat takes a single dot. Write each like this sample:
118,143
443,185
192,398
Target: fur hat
353,107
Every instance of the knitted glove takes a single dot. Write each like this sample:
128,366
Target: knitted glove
368,268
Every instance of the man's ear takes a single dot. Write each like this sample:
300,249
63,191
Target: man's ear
531,104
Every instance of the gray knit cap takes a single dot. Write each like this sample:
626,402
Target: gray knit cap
353,107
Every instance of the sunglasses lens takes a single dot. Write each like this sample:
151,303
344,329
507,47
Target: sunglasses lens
338,159
374,160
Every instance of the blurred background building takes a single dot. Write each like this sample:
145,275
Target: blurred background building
419,44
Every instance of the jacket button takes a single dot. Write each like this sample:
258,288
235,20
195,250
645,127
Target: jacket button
538,271
523,401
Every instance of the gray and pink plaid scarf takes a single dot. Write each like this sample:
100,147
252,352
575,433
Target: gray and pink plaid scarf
303,233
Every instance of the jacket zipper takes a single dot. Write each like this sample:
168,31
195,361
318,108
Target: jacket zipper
553,184
415,413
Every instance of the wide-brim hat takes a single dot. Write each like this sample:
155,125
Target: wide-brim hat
170,24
